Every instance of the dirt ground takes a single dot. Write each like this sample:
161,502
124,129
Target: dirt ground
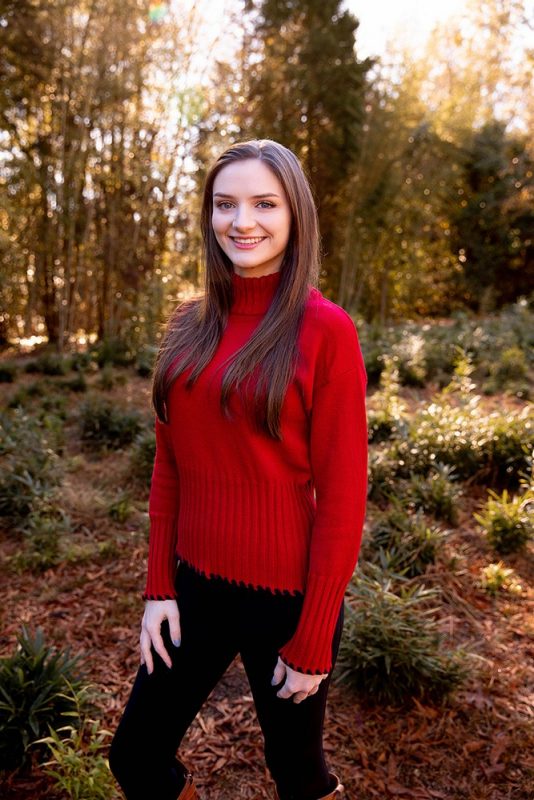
479,745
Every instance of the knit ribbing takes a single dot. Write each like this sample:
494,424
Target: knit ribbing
284,516
253,295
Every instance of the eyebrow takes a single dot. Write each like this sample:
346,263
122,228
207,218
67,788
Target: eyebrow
254,196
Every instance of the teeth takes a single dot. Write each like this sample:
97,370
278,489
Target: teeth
249,241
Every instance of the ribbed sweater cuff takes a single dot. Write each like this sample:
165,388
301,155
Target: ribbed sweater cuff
310,648
162,560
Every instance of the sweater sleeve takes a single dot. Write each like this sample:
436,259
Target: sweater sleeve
163,514
339,457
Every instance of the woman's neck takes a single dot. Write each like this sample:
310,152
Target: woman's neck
253,295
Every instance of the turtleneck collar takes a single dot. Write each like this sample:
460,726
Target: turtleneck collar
253,295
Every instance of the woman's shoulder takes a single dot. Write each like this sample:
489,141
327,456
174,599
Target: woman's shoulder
331,333
328,317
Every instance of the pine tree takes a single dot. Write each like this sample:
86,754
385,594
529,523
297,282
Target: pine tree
305,89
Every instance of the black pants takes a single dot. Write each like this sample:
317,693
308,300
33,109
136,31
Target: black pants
219,620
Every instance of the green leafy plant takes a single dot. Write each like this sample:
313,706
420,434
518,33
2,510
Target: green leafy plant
50,363
402,543
387,417
76,384
112,350
144,363
492,449
8,372
391,650
508,520
436,493
25,395
78,765
42,535
38,690
508,371
30,468
105,426
409,355
121,508
496,578
383,471
142,457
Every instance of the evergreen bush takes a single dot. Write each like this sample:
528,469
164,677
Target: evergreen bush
508,520
106,426
142,457
39,690
391,650
30,469
402,543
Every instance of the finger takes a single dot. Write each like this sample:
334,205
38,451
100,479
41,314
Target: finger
315,690
279,672
175,628
300,696
159,647
286,691
145,650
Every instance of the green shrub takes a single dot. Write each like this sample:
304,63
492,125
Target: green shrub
121,508
30,469
492,449
31,366
52,364
82,361
391,650
409,357
8,372
41,548
510,366
440,353
76,384
142,457
510,373
108,378
79,767
114,351
24,396
105,425
508,521
402,543
38,691
437,493
428,352
383,470
51,400
496,578
387,417
144,364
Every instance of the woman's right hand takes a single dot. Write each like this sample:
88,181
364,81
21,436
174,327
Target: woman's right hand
155,612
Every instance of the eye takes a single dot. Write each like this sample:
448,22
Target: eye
226,203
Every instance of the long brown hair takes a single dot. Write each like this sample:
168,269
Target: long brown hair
195,327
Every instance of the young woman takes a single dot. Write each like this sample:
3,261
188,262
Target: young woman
258,491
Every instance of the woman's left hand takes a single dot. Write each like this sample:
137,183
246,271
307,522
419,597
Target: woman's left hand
296,683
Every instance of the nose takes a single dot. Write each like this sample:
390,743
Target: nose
243,220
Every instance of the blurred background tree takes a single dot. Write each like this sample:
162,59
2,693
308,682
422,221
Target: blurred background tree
420,161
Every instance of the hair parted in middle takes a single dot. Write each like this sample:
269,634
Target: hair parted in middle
195,327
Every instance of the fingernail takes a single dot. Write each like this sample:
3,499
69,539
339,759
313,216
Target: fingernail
273,681
176,642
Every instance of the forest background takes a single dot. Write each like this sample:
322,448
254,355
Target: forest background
421,162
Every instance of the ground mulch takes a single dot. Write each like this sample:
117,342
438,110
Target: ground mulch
478,745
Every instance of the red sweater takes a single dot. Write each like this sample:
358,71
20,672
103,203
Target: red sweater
288,516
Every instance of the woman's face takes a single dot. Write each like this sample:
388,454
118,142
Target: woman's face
251,217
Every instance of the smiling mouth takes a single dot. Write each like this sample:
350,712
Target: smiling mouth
248,240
